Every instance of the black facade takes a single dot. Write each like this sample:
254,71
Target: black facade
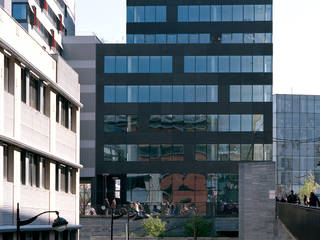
150,129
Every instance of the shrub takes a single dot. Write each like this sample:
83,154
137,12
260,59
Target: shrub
154,227
202,227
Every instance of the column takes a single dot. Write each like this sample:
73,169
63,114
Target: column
77,192
16,178
52,122
17,101
52,195
42,106
27,87
1,91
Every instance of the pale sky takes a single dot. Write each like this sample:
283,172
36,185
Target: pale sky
296,36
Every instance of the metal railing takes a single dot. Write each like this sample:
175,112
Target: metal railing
303,222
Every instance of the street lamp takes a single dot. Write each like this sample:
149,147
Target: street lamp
59,224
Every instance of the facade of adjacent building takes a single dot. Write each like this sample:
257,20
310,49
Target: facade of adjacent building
39,131
184,109
296,140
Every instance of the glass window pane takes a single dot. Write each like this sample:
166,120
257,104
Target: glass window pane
144,152
166,93
121,64
223,152
150,38
201,152
226,12
257,63
257,123
201,93
259,12
268,12
267,63
183,15
246,93
246,122
189,123
155,64
161,38
189,64
166,64
267,152
143,93
267,93
166,152
177,93
182,38
259,37
150,14
109,94
189,93
246,63
193,13
177,122
212,152
248,13
212,93
224,64
257,93
235,64
129,38
237,37
132,152
154,93
235,152
193,38
138,38
234,93
132,93
246,152
212,123
19,11
268,38
133,64
248,38
204,38
258,152
237,13
139,14
204,13
155,152
171,38
201,64
215,13
226,38
234,123
143,64
223,123
109,64
212,64
121,94
130,14
161,13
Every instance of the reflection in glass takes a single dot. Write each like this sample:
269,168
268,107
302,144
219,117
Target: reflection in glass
234,123
246,122
235,152
257,123
223,152
246,152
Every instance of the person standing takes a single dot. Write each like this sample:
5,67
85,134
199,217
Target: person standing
292,198
106,204
313,200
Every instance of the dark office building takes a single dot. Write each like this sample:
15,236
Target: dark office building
184,110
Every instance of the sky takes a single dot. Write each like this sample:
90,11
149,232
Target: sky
296,37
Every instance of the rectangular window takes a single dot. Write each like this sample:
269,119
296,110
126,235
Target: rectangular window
224,64
248,11
130,14
189,64
63,178
212,152
109,64
246,152
23,167
6,74
183,14
205,13
257,123
201,64
235,152
212,64
19,11
235,64
133,64
154,93
5,162
33,170
223,123
234,123
223,152
150,14
132,94
257,63
139,14
212,93
235,93
194,13
161,13
237,13
226,13
23,85
189,93
143,93
109,94
121,64
259,12
34,93
246,123
216,13
166,94
166,64
121,94
177,93
201,93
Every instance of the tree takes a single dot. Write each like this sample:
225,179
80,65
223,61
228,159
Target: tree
198,227
154,227
85,197
310,185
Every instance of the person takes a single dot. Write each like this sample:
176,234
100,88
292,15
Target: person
313,200
114,204
106,204
92,212
305,200
292,198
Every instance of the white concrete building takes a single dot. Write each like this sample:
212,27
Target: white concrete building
39,135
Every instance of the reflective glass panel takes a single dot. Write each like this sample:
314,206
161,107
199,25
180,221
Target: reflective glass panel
133,64
155,64
143,64
237,12
212,123
109,64
223,123
246,63
139,14
223,152
268,12
267,63
246,152
204,38
150,38
235,64
215,13
19,11
258,152
177,93
183,14
259,37
150,14
154,93
166,93
257,123
129,38
121,64
257,63
171,38
237,37
129,14
234,123
248,38
226,13
226,38
189,64
193,13
259,12
224,64
166,64
235,152
109,94
212,64
212,93
201,64
267,93
143,93
204,13
132,93
189,93
212,152
257,93
121,94
201,152
246,122
161,13
160,38
235,93
201,93
248,13
182,38
193,38
138,38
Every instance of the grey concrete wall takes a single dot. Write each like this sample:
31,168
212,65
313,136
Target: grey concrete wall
80,53
256,210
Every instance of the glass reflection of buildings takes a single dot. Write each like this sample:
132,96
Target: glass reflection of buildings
183,103
297,140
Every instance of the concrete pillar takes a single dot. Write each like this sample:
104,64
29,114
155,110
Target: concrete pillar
28,88
69,116
42,103
17,101
16,179
1,91
41,185
52,122
27,173
77,206
77,128
52,190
